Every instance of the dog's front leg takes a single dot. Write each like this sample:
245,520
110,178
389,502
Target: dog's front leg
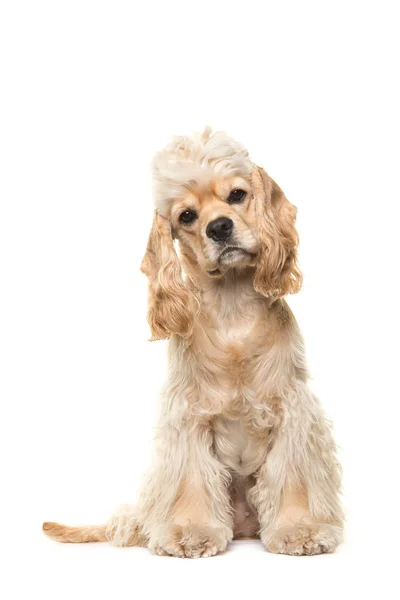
297,489
185,506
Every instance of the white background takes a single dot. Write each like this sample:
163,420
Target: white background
90,90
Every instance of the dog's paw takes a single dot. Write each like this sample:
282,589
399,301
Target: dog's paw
302,539
123,529
191,541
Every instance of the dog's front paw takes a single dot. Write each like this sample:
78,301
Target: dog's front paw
302,539
190,541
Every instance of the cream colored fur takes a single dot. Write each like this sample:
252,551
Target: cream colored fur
243,448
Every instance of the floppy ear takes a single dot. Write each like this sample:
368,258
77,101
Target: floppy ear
277,272
170,305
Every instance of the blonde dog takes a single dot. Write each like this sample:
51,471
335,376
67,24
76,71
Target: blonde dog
243,448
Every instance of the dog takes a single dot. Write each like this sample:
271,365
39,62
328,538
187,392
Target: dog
243,448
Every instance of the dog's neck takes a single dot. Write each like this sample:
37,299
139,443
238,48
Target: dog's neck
231,294
233,282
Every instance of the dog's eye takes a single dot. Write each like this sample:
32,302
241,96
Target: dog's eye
188,216
236,196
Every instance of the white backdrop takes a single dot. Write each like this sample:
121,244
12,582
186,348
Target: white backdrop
90,90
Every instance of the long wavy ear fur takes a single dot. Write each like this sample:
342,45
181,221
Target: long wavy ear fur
170,304
277,272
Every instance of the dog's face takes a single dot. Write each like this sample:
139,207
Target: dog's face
215,222
227,214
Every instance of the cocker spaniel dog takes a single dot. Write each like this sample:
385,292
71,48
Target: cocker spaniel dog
243,448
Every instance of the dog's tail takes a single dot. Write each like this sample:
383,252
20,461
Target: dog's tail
75,535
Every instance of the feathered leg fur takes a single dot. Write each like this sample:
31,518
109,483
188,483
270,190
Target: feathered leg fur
297,489
184,508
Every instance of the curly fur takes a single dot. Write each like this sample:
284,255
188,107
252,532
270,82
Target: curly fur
243,448
169,300
277,270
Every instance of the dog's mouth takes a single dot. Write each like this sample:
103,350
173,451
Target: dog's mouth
231,255
229,249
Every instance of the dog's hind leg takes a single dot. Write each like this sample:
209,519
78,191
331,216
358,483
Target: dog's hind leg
124,529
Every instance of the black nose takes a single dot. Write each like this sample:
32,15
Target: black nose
220,229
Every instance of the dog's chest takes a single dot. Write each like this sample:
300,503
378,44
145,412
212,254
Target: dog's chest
237,447
237,346
229,357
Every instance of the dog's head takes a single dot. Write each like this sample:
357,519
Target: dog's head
227,214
